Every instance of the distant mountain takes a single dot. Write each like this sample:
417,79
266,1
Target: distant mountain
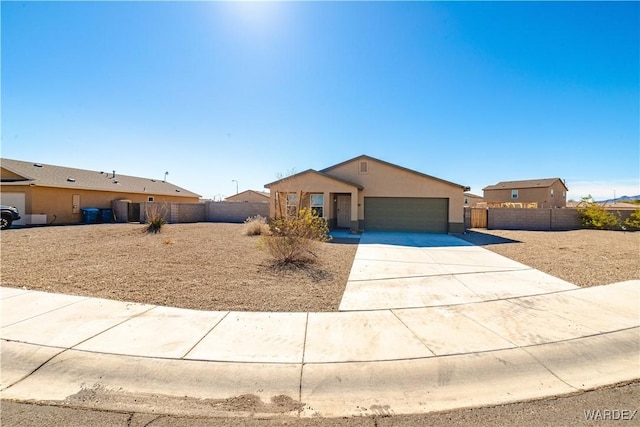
621,199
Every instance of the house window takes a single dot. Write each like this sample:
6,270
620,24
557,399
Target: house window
150,199
514,194
316,203
466,201
364,167
292,205
552,193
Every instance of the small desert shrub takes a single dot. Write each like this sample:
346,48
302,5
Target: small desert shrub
255,226
295,239
594,215
154,213
633,222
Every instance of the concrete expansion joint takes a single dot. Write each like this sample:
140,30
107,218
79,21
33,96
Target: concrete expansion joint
205,335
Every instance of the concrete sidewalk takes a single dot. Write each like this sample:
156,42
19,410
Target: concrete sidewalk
427,323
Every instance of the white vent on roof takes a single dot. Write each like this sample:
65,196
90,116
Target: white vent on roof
71,179
38,165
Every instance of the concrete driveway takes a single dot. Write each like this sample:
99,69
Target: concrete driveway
427,323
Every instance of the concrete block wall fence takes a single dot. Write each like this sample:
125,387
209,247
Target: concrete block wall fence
543,219
235,211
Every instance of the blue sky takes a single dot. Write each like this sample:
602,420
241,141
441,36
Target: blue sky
212,92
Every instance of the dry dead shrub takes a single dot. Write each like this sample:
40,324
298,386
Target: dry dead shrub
255,226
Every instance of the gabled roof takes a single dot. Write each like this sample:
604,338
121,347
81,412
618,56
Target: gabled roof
312,171
472,195
248,192
365,157
528,183
44,175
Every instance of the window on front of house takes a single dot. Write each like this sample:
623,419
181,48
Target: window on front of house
514,194
292,205
150,199
552,193
316,203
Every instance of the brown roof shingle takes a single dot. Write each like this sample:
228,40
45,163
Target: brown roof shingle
63,177
528,183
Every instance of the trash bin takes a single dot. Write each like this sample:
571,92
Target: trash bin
90,215
106,215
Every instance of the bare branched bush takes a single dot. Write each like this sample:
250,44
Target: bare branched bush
295,239
155,214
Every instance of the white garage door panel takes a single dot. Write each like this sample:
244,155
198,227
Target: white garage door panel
17,200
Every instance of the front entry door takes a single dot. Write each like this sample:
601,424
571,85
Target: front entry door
344,211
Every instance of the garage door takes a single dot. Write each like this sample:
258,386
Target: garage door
16,200
426,215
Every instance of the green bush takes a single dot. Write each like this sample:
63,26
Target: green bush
255,226
594,215
634,220
295,239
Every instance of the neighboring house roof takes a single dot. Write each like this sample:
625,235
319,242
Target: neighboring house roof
242,195
44,175
312,171
365,157
606,205
529,183
472,195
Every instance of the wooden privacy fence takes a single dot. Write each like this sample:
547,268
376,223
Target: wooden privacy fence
479,217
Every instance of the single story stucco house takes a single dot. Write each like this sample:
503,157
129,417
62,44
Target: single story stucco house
49,194
365,193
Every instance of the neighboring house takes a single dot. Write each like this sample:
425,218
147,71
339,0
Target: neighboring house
47,194
249,196
364,193
617,206
472,200
541,193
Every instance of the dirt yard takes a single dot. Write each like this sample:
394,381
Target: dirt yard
210,266
582,257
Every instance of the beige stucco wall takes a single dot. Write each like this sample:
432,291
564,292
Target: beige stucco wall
314,183
248,197
382,180
56,203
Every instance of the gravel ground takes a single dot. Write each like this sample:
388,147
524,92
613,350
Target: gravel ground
204,266
582,257
212,266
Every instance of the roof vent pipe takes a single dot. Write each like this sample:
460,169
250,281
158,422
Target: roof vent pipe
114,174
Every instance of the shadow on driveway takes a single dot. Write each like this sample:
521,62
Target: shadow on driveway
483,239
